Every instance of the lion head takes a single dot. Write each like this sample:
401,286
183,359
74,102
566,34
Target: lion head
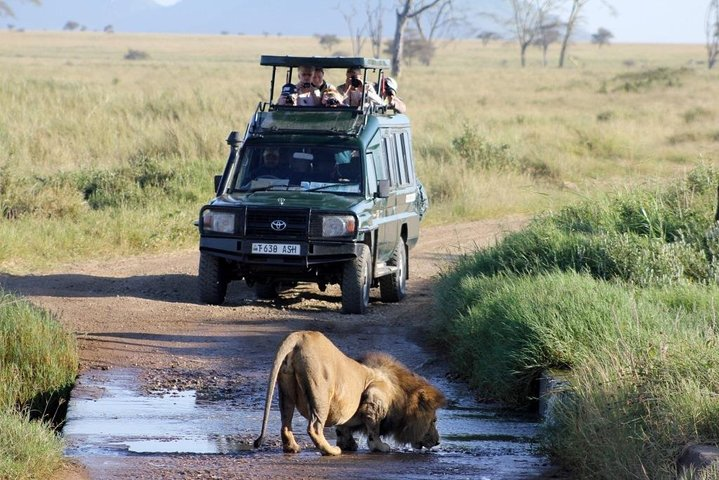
412,418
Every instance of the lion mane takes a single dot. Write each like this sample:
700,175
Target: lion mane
377,396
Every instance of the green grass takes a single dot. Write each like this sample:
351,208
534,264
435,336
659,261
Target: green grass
38,364
622,292
75,115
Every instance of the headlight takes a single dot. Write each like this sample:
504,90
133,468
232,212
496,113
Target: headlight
221,222
338,226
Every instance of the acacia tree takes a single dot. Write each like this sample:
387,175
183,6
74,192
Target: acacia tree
527,17
6,11
407,10
712,32
356,33
375,14
572,20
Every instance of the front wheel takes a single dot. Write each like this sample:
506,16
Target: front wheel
393,287
212,279
356,281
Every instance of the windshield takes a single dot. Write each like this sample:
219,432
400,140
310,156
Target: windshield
332,169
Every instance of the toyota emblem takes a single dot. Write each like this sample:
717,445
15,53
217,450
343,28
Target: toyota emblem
278,225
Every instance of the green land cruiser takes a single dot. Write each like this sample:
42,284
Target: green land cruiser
326,195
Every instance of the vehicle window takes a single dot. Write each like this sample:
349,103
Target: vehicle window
390,154
371,175
380,164
405,153
402,177
273,167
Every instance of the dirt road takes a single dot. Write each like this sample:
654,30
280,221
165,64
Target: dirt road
140,315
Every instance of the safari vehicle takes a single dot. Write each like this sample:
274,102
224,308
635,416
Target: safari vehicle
338,201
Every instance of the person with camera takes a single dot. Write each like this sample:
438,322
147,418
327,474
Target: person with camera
303,94
332,98
390,96
353,89
319,82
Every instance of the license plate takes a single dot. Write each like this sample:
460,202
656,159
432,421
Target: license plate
275,248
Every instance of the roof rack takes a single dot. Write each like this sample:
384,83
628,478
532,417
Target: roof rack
324,62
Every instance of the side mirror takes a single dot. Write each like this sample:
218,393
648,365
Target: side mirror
218,179
383,188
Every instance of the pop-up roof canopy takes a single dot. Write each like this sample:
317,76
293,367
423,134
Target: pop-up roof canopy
323,62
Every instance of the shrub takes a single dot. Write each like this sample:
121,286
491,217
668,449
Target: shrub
477,152
136,55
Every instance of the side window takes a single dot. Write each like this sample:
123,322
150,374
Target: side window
390,154
371,175
380,164
406,153
402,177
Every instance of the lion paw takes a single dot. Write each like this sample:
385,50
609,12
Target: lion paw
291,448
378,446
330,450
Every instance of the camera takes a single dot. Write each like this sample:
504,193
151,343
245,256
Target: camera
306,85
356,82
332,102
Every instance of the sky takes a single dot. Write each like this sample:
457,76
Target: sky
639,21
649,21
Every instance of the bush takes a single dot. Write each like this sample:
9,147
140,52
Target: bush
479,153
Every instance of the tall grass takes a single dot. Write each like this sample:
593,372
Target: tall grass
623,292
491,139
38,366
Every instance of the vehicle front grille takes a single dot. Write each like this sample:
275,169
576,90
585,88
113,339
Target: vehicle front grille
260,221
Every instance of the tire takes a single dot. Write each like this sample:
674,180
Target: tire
356,282
266,291
393,288
212,279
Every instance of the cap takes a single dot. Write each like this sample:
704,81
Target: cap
391,84
289,89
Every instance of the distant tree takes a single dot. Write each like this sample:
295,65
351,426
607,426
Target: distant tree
109,29
407,11
527,17
356,32
6,11
327,41
712,32
71,25
572,20
547,34
375,13
602,36
487,37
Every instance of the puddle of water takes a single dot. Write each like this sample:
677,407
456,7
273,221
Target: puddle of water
108,415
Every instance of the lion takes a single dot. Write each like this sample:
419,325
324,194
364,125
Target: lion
377,396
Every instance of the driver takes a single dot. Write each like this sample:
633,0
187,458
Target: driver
270,165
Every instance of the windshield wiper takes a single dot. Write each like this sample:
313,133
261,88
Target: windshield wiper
328,185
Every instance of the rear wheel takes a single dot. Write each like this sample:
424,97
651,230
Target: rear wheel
356,281
393,287
212,279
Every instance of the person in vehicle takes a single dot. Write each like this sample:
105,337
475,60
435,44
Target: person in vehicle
288,95
307,94
270,166
332,98
302,94
353,88
319,82
324,169
390,96
300,168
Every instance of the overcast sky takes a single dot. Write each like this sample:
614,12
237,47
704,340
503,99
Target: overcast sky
643,21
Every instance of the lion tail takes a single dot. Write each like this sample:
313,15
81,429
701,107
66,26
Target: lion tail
285,348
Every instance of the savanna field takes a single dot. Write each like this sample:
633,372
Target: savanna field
615,157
